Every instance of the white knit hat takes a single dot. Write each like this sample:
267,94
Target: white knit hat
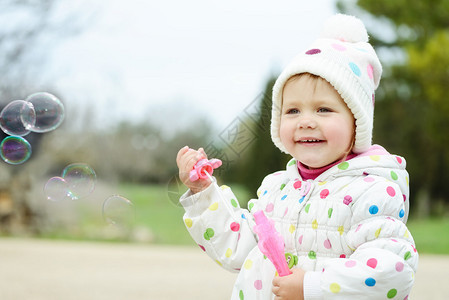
344,58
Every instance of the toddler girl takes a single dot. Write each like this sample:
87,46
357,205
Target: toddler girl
341,205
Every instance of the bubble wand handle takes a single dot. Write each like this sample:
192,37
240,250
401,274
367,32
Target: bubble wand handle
271,243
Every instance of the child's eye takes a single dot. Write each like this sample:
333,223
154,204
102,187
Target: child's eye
292,111
324,109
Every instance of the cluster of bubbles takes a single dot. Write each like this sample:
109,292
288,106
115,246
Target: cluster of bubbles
39,112
78,181
43,112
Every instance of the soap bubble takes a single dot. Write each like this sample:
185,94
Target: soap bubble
49,112
15,150
118,211
17,118
81,179
57,189
76,181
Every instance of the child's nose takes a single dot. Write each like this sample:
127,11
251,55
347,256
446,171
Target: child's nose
306,122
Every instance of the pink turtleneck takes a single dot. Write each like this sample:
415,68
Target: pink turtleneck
307,173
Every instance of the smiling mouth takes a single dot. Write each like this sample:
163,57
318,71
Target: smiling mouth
309,141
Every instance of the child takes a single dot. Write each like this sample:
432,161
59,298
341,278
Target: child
341,205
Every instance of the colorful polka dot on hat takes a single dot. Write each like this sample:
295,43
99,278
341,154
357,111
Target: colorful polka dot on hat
343,57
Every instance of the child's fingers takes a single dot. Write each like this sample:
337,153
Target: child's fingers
186,156
276,281
185,166
201,150
275,287
275,291
191,160
188,159
181,152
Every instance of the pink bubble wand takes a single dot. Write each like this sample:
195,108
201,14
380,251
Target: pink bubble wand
271,243
203,168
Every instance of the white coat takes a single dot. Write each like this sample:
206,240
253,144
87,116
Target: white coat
346,229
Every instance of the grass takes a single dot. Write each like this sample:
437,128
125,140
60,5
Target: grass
165,219
430,235
157,212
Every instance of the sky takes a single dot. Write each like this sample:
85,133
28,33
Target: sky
168,62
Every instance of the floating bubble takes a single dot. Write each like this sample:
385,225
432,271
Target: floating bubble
15,150
49,112
81,179
57,189
17,118
118,211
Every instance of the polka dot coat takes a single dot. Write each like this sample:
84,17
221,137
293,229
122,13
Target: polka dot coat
347,226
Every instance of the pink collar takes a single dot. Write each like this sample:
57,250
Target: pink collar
307,173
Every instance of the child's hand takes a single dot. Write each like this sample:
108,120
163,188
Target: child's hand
186,159
289,287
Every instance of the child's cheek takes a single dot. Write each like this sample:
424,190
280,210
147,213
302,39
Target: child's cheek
286,131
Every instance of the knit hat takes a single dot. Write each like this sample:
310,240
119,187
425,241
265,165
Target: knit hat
343,57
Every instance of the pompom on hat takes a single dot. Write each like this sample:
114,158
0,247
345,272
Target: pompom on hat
343,57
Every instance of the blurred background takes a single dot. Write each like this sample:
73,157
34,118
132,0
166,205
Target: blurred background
141,79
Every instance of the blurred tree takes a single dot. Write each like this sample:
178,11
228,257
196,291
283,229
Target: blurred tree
142,153
412,111
261,157
28,30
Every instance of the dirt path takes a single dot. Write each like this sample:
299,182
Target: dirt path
54,270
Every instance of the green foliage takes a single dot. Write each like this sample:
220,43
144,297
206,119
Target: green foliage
430,65
423,17
411,116
262,157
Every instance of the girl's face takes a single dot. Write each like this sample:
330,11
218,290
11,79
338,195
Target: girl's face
317,127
